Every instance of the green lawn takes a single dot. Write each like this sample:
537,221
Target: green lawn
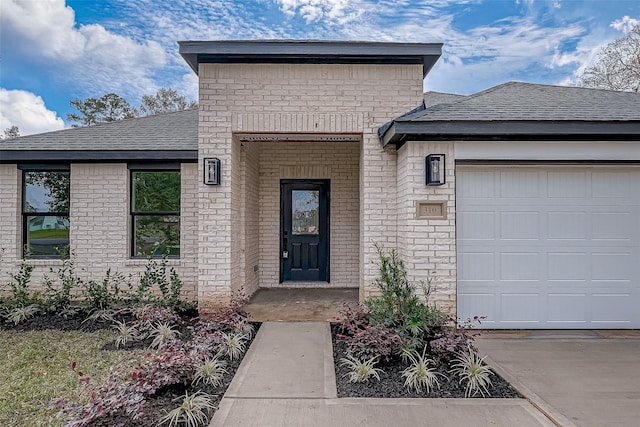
33,371
51,233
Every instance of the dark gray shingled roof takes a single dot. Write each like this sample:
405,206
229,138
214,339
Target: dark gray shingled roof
163,136
522,109
434,98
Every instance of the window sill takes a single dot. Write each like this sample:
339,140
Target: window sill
43,262
134,262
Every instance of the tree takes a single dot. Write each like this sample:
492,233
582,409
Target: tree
618,65
107,108
112,107
165,101
11,132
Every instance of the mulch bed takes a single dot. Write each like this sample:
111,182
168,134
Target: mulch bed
391,382
157,405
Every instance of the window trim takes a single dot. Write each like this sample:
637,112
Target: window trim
27,168
138,167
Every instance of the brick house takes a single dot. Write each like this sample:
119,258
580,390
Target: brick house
302,156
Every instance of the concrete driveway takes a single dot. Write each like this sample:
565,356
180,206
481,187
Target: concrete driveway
577,378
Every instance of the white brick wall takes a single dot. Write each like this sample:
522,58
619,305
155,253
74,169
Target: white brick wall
428,246
285,98
99,224
10,200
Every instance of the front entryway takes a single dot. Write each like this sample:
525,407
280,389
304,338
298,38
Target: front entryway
304,230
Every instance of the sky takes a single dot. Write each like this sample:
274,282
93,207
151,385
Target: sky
54,51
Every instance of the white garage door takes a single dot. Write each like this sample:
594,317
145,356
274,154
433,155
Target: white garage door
549,248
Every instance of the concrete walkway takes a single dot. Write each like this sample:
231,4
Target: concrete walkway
287,378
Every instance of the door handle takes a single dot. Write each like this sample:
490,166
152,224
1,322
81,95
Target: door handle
285,247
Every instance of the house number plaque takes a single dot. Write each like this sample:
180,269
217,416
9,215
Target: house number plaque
431,210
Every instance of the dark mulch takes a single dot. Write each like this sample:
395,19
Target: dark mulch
77,322
391,382
156,406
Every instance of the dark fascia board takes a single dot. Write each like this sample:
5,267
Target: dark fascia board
309,52
399,132
97,156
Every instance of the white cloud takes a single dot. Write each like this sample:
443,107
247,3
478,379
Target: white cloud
313,10
95,60
625,24
27,111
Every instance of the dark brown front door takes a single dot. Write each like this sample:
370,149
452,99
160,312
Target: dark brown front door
304,230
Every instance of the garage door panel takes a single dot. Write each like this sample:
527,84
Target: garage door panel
609,185
517,184
567,225
567,266
520,308
476,266
612,308
611,266
476,185
479,302
567,307
567,184
611,225
551,248
519,225
478,225
519,266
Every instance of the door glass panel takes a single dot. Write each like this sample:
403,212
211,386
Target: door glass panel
305,211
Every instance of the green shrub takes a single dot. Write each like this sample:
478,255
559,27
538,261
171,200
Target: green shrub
104,294
399,306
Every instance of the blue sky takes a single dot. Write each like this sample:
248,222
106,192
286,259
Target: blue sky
53,51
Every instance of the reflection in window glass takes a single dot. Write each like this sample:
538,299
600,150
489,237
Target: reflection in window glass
45,210
305,211
155,213
47,236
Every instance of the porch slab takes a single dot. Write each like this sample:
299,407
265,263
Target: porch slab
300,304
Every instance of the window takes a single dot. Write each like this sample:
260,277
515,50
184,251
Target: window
155,213
45,213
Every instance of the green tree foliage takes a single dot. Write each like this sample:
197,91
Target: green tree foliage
11,132
107,108
618,65
157,191
57,186
165,101
112,107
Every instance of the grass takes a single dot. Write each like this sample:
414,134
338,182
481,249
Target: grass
34,370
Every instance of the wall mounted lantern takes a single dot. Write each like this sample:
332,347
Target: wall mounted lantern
212,171
435,169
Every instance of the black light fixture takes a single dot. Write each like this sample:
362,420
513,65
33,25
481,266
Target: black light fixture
212,171
435,169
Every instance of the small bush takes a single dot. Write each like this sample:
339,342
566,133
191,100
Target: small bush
21,313
361,371
104,294
210,372
19,285
419,374
233,345
58,292
399,306
373,341
192,412
469,367
162,333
